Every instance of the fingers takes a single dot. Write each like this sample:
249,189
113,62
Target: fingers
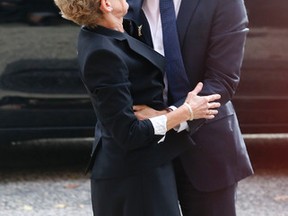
213,105
198,88
138,107
211,110
213,97
203,106
210,114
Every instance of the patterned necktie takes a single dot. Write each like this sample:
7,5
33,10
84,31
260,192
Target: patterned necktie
178,83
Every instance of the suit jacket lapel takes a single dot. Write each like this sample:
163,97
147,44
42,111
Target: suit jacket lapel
136,14
147,52
134,44
186,12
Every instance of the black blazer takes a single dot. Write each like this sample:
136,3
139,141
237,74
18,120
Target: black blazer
212,35
119,72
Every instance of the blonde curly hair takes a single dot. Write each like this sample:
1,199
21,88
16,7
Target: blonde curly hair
81,12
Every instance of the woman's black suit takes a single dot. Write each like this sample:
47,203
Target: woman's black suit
127,160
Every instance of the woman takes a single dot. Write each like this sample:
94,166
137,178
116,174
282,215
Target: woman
131,169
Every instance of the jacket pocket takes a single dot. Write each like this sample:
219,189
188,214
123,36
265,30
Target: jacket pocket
223,112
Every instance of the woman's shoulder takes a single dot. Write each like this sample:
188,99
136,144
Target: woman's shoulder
87,35
102,33
99,38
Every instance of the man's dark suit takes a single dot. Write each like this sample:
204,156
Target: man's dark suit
212,35
119,71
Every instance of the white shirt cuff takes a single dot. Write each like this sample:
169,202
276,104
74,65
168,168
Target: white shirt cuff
159,124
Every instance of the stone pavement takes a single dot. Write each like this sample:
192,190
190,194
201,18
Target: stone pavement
59,188
68,193
264,194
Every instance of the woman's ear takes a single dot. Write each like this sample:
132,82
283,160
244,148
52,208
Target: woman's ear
105,6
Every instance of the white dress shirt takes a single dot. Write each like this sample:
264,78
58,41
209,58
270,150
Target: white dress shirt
152,13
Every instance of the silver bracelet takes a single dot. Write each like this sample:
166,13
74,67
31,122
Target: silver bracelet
190,111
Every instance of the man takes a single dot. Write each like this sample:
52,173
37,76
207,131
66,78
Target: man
211,36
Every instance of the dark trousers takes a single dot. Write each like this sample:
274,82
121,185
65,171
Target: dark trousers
200,203
148,194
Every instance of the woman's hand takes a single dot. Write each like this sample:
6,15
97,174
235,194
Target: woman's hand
202,106
144,112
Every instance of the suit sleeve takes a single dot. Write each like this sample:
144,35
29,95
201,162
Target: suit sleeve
225,49
106,78
224,53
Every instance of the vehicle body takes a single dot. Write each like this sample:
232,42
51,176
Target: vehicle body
42,96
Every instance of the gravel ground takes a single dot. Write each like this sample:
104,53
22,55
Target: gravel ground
45,194
264,194
68,193
45,178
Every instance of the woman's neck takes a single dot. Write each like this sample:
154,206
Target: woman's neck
112,22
